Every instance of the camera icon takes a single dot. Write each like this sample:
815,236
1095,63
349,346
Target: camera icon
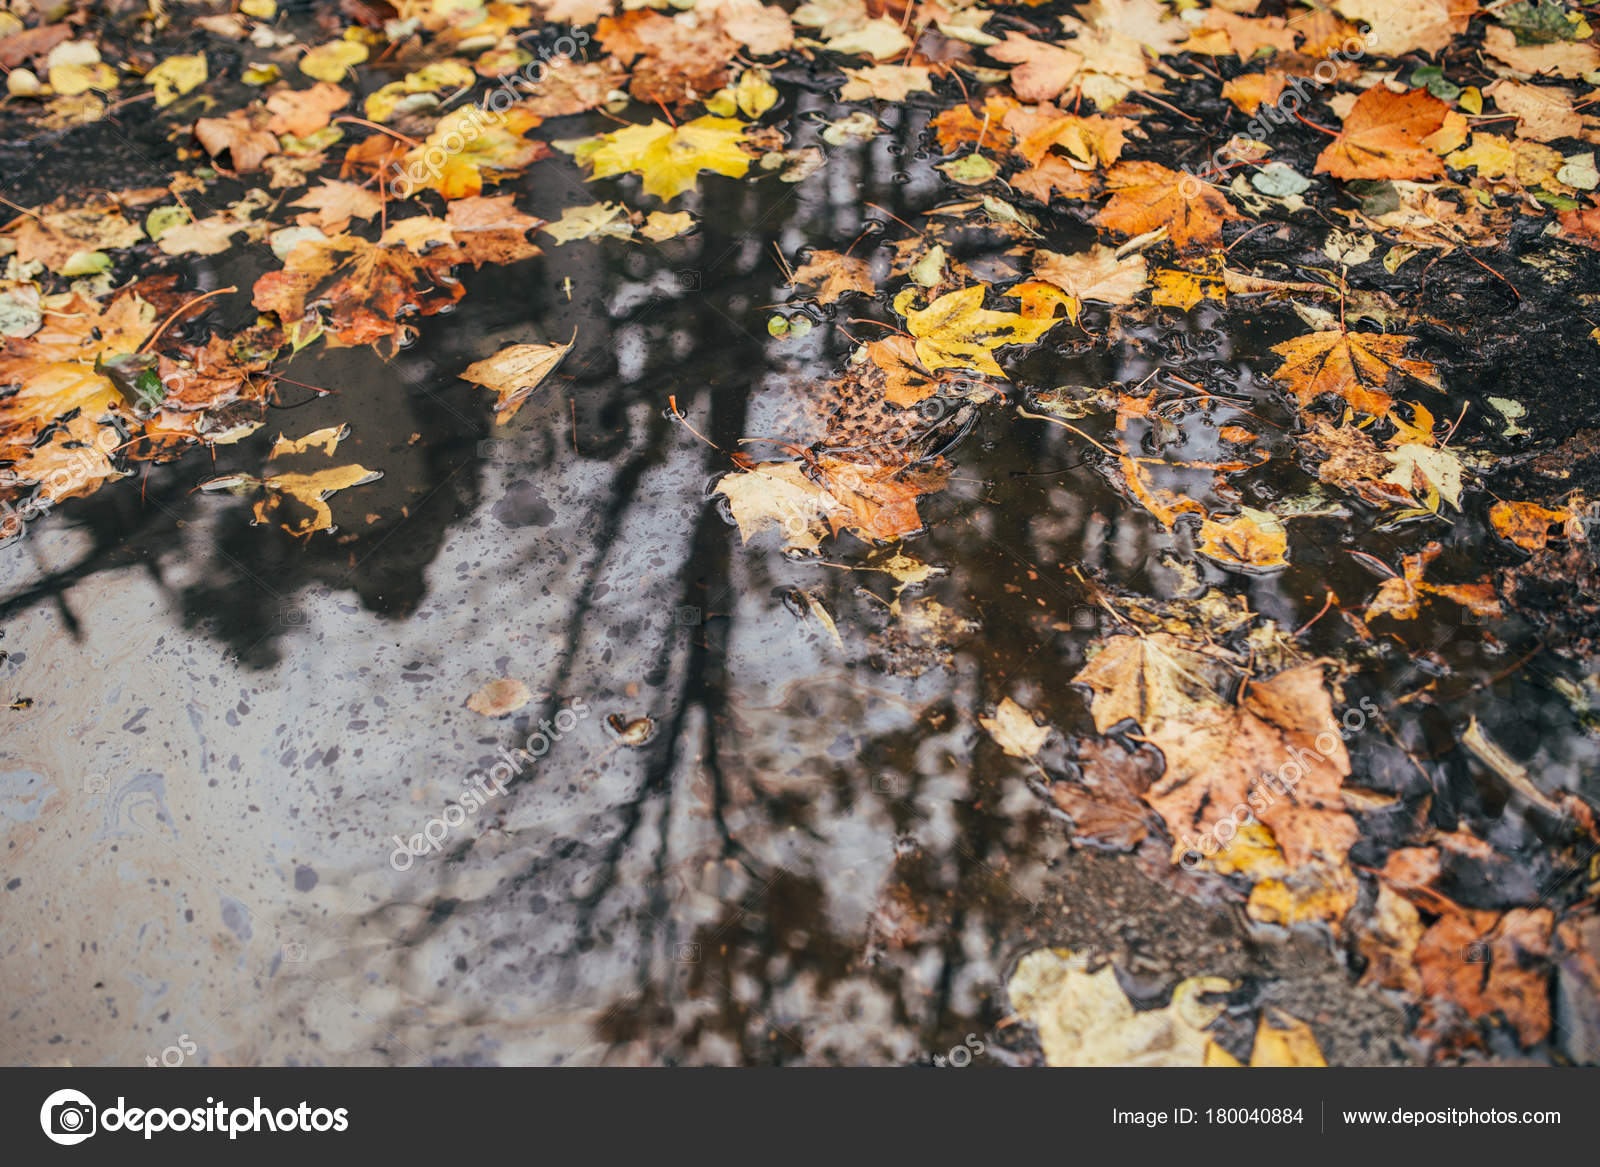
96,784
294,953
291,615
492,448
687,616
1475,953
885,784
687,280
686,954
68,1117
1084,618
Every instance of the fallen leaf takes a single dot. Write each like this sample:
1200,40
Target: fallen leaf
1042,70
310,491
332,61
1251,539
1287,1045
302,112
175,76
327,440
492,150
1014,729
1085,1019
1147,679
1250,91
1561,59
1527,524
1428,25
242,135
880,39
834,275
1355,366
358,290
659,226
1399,596
1382,137
671,158
595,221
1146,195
500,698
1429,474
514,373
886,82
957,331
1097,274
333,204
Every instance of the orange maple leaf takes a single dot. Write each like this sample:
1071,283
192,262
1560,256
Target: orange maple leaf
361,289
1383,137
1146,195
959,125
1356,366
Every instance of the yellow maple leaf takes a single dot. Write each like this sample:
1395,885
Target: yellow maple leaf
670,158
176,76
1356,366
1253,539
475,151
1177,288
957,332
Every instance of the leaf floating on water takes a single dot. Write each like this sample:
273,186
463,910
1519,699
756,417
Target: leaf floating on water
1085,1019
957,331
670,158
1252,539
1014,729
1356,366
659,226
500,698
814,606
834,275
514,373
312,491
327,440
595,221
1527,524
631,733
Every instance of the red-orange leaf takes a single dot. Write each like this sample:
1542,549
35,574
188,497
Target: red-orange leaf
1383,137
1146,195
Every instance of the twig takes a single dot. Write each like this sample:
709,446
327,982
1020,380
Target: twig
154,336
677,416
396,135
1064,425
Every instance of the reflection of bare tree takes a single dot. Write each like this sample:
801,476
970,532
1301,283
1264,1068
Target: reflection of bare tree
815,857
717,894
808,861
